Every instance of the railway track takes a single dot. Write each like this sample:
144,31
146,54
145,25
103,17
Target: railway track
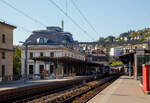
62,92
25,94
84,98
82,93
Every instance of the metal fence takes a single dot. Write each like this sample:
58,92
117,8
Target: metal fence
10,78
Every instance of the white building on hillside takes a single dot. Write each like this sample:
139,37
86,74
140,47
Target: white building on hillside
117,51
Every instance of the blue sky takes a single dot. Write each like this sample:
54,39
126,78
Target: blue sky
109,17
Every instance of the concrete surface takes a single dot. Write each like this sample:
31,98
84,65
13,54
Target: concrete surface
123,90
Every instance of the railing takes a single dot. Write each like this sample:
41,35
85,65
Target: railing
10,78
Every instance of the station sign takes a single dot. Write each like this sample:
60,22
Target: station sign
49,63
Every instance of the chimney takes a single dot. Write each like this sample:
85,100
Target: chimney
62,24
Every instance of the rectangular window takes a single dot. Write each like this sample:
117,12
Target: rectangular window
3,38
3,55
3,70
31,55
41,54
51,69
30,69
52,54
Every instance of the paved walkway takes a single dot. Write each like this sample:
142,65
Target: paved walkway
123,90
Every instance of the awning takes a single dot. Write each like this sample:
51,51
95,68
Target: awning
65,60
127,57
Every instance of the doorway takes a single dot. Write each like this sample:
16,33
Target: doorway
41,68
51,69
30,69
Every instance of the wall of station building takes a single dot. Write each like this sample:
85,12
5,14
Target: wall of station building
36,53
6,64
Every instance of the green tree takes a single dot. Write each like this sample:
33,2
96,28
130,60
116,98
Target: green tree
117,63
101,39
110,38
111,60
17,61
101,47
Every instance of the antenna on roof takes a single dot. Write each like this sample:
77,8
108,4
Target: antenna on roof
62,24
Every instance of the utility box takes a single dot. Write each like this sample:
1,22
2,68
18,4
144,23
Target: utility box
146,78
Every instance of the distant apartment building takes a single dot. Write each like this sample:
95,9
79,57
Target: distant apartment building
87,47
94,53
52,43
6,50
98,56
117,51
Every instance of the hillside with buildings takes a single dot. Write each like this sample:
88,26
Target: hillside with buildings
124,43
131,37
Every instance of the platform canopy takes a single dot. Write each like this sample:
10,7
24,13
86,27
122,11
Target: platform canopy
130,56
127,57
65,60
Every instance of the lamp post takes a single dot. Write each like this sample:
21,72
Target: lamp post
26,60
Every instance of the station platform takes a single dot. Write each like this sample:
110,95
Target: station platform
18,84
123,90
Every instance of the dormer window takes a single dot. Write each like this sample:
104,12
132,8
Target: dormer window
42,40
64,41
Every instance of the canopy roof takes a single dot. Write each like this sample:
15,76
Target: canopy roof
130,56
65,60
127,57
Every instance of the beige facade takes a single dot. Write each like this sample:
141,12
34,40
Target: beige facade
58,51
6,49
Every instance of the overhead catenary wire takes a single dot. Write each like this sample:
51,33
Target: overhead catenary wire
84,17
67,7
21,12
18,26
71,19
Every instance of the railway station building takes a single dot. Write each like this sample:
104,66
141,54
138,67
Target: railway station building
53,51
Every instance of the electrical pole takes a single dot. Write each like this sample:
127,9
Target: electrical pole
25,75
26,61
